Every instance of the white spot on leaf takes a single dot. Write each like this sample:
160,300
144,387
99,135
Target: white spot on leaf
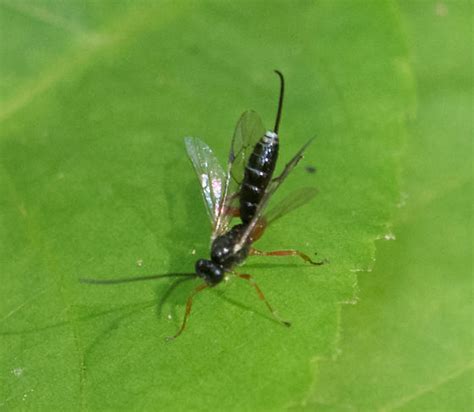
17,372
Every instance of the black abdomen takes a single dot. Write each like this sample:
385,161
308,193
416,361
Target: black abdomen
257,175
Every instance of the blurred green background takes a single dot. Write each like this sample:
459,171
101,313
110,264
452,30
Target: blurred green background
96,97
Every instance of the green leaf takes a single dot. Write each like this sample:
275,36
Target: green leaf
408,345
96,100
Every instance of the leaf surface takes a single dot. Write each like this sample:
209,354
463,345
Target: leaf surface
95,183
407,346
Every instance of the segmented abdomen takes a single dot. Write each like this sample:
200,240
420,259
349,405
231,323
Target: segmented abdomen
257,175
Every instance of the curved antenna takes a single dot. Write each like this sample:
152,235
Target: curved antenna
280,101
137,279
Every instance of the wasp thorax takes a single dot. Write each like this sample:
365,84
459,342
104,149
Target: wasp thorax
223,249
221,254
211,272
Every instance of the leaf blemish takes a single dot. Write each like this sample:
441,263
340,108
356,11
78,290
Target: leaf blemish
17,372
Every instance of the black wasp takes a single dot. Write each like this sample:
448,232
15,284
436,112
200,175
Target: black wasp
242,191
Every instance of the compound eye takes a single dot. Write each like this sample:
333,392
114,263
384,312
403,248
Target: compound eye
218,274
203,267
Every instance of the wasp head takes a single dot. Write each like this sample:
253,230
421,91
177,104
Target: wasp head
211,272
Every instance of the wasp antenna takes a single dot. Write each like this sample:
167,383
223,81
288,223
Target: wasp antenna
280,101
137,279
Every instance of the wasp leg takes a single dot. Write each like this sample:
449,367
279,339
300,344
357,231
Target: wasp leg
289,252
259,229
189,305
249,279
232,211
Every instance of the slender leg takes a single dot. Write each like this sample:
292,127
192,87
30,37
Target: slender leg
249,279
259,229
189,305
232,211
289,252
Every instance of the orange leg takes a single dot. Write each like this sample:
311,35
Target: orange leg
232,211
249,279
290,252
189,305
259,229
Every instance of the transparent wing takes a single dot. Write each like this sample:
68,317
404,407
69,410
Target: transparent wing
293,201
210,174
248,132
271,189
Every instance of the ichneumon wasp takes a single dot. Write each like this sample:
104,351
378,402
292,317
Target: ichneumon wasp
242,191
